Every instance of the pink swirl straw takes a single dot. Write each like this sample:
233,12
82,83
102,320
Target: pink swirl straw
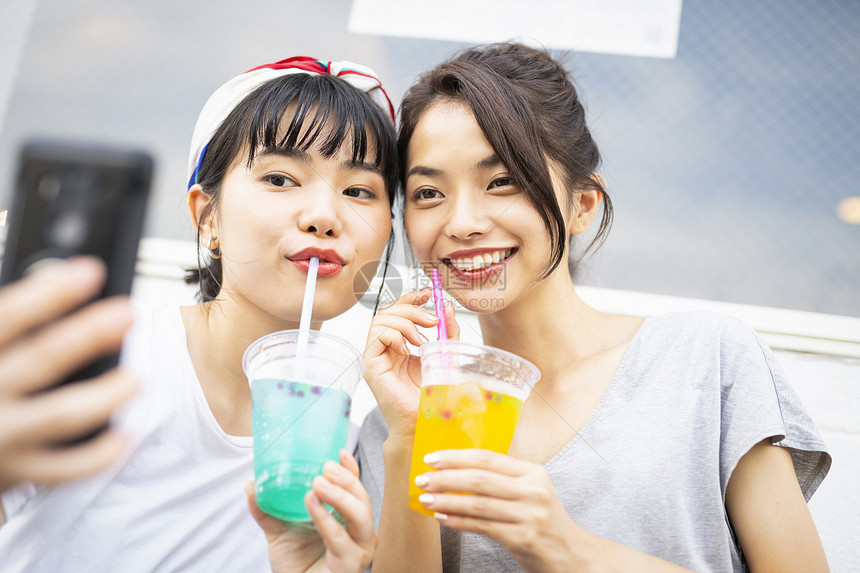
439,303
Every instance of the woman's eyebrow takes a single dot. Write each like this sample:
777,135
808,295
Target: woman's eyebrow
425,171
292,153
305,157
486,163
362,166
489,162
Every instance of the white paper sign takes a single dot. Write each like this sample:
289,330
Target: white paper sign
627,27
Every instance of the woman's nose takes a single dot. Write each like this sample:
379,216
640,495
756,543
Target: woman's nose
320,215
467,218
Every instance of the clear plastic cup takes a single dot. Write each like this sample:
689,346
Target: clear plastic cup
471,397
301,407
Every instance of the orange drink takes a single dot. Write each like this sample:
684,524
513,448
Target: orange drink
471,397
460,416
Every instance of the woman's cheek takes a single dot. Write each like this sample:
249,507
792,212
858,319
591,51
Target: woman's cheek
418,232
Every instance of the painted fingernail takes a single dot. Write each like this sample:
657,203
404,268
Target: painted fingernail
431,317
440,516
421,480
423,338
431,459
426,498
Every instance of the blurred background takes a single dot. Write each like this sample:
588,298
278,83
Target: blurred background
730,130
730,133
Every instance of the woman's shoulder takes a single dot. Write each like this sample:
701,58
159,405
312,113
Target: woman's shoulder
698,327
157,332
698,320
151,314
151,322
696,340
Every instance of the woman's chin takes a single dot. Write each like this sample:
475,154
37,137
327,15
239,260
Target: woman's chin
327,310
480,303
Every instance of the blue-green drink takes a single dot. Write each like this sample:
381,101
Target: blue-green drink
301,400
297,427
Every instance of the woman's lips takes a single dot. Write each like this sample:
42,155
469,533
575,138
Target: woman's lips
330,263
325,269
482,274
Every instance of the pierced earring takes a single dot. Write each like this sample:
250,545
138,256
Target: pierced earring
216,250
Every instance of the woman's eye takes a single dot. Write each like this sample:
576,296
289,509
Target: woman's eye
427,195
278,180
359,193
501,182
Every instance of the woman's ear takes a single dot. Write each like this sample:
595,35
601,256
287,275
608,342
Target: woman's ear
200,211
586,204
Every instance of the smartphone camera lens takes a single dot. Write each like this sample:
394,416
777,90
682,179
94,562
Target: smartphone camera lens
69,230
49,187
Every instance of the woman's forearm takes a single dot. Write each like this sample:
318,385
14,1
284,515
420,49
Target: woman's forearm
594,554
405,536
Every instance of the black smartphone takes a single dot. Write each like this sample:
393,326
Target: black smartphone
75,199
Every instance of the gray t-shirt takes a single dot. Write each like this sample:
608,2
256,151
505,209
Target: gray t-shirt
693,393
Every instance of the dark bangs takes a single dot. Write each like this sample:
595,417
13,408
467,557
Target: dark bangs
302,112
326,113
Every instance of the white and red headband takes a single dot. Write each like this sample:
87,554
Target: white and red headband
229,95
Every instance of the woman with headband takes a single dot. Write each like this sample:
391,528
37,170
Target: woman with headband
286,158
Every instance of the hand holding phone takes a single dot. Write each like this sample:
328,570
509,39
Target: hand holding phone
42,339
77,199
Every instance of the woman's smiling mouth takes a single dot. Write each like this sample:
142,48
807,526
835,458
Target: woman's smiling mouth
478,264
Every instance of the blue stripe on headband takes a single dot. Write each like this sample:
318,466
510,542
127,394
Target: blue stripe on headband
194,176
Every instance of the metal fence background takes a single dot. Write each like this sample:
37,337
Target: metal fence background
726,163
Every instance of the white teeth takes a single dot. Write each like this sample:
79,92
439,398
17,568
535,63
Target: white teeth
481,261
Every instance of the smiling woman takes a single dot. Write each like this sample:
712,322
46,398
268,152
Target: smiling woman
673,443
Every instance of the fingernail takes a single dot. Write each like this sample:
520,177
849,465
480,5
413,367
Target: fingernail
322,483
332,469
423,338
431,459
78,267
404,350
426,498
431,317
421,481
312,499
440,516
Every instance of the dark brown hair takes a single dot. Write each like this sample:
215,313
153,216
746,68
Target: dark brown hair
529,110
328,113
